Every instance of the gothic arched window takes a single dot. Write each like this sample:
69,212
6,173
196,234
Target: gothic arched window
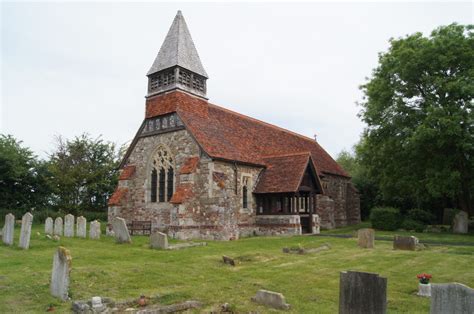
170,183
154,185
162,176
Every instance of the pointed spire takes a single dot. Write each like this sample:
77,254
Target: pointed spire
178,50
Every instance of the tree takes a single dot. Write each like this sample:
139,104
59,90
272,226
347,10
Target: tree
84,173
22,177
418,106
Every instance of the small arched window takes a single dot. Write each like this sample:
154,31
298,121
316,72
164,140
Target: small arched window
162,176
244,197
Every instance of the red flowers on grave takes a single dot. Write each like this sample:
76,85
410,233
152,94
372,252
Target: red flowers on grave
424,278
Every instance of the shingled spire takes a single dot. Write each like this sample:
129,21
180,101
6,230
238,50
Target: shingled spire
177,65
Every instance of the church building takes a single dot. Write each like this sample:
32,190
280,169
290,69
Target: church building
197,170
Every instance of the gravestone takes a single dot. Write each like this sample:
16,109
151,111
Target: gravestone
121,231
362,293
60,274
81,227
8,229
94,231
25,232
48,226
316,224
460,222
405,243
272,299
69,226
58,226
451,298
228,260
365,238
159,240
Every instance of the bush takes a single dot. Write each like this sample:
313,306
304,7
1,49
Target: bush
421,216
410,224
385,218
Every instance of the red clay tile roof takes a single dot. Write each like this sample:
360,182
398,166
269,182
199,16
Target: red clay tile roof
117,197
183,192
127,172
283,173
189,166
224,134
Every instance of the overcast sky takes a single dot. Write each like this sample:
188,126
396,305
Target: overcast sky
69,68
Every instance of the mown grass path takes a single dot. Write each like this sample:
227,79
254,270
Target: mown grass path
309,282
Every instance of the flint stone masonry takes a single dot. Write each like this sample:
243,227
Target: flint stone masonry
365,238
460,222
58,226
121,231
25,232
60,274
94,231
159,240
452,298
214,209
8,229
48,226
405,243
81,227
362,293
69,226
271,299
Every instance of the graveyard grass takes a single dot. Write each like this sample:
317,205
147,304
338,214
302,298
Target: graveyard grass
310,283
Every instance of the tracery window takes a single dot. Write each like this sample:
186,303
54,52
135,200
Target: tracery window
162,176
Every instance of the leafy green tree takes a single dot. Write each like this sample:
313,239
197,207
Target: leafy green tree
84,173
418,106
22,177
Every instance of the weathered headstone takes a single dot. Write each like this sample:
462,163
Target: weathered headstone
159,240
94,230
460,222
58,226
451,298
8,229
365,238
25,232
60,273
362,293
272,299
228,260
81,227
48,226
316,224
121,231
405,243
69,226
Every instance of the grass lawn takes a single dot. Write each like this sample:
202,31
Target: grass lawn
309,282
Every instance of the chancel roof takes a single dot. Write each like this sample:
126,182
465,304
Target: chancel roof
227,135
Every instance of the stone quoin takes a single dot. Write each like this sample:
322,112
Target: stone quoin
197,170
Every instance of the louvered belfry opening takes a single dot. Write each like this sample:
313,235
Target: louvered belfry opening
177,65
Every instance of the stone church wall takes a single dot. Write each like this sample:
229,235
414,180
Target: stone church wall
214,208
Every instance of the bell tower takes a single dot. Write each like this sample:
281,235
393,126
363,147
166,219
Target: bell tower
177,65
